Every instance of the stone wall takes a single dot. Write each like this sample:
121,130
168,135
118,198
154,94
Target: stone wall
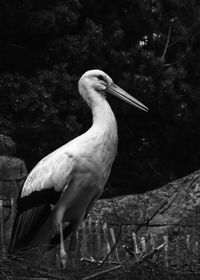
12,175
172,208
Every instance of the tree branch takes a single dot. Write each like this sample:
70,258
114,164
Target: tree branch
167,43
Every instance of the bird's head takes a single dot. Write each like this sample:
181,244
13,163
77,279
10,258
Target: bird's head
99,81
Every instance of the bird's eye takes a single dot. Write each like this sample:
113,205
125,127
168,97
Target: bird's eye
102,78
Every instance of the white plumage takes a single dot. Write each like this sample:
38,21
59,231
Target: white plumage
72,177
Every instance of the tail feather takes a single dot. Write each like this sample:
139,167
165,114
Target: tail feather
32,212
27,224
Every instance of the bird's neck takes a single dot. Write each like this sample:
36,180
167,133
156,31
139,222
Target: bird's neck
104,128
103,116
103,135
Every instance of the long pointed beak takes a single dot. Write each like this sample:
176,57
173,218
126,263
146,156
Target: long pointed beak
122,94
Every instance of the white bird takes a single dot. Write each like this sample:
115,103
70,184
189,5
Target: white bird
72,177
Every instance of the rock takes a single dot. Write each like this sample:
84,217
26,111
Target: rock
12,168
7,146
174,207
12,176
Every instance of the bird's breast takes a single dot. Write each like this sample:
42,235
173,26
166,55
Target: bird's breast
99,155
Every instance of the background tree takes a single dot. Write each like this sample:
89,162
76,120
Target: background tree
149,47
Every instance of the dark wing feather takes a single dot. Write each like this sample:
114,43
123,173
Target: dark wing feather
32,211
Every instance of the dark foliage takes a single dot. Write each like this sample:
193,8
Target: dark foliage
150,48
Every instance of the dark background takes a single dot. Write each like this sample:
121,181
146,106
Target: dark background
149,47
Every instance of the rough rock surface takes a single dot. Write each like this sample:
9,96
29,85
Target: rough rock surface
171,208
12,175
7,145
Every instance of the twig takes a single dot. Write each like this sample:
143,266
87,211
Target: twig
34,270
138,261
19,264
51,275
153,252
151,218
115,211
102,272
114,246
147,255
2,233
197,273
4,275
129,251
189,263
167,43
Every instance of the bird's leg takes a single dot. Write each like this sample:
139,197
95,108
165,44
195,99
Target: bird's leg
58,224
76,224
73,241
63,254
72,247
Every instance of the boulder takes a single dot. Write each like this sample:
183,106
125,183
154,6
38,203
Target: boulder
169,209
7,145
12,175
